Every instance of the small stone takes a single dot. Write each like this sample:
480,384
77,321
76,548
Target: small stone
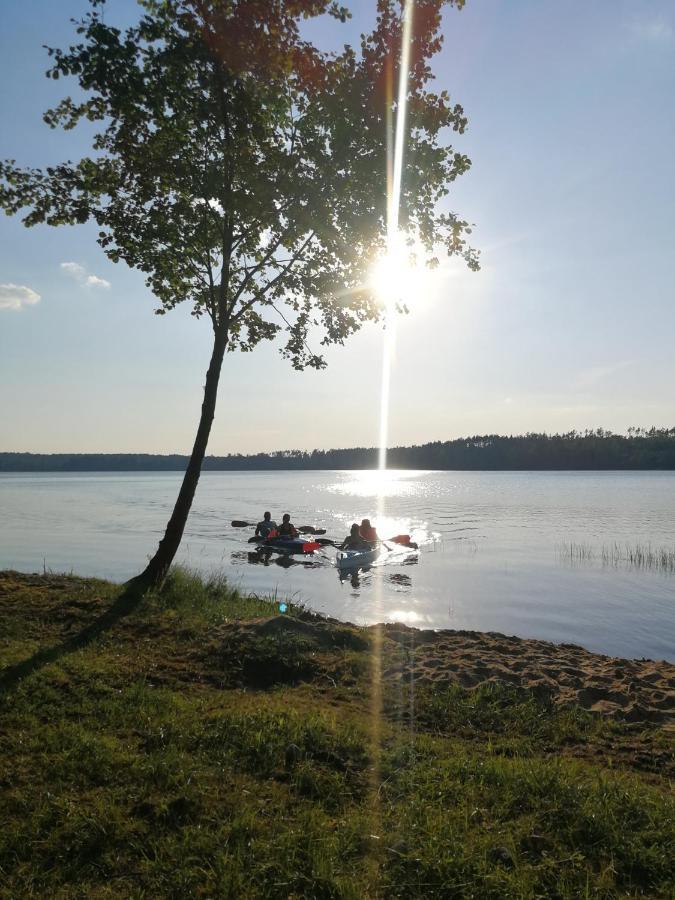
536,843
400,848
292,756
501,855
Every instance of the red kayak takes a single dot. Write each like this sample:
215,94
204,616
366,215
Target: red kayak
287,545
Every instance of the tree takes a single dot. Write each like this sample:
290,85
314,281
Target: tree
245,172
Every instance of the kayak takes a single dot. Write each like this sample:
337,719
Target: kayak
288,545
353,559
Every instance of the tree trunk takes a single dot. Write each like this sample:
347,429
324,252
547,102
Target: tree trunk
156,570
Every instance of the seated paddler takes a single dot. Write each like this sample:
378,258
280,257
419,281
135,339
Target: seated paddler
367,532
286,529
266,527
354,541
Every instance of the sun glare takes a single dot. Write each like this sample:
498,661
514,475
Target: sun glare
399,275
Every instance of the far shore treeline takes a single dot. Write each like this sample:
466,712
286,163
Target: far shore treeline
640,448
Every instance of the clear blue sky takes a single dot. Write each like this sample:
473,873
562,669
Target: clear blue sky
570,323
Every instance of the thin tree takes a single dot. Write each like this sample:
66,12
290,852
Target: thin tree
245,172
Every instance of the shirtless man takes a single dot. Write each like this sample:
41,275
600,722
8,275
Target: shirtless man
263,529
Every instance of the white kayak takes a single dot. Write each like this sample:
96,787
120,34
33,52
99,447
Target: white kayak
353,559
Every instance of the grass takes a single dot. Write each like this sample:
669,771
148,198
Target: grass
206,746
636,556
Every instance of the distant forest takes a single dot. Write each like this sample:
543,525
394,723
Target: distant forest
640,448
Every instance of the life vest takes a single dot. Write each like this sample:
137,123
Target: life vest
368,534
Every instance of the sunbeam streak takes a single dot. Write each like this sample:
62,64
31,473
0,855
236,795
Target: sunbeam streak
394,199
388,287
389,292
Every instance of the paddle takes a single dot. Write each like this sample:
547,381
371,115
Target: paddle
303,529
401,539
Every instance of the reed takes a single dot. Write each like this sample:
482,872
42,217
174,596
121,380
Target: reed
576,552
637,556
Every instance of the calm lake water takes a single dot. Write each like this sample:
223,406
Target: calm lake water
490,544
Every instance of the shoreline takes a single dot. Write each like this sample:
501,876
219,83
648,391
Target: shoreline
634,691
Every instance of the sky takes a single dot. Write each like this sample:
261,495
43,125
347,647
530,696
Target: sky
569,324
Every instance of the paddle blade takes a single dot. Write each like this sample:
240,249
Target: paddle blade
311,529
237,524
310,546
400,539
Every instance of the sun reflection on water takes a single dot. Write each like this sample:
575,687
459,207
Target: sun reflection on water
407,616
380,483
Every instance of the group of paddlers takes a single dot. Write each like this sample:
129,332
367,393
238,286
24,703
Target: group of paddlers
360,537
268,528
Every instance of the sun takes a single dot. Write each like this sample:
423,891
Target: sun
399,275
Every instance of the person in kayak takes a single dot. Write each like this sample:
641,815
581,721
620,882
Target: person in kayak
286,529
264,528
354,541
367,532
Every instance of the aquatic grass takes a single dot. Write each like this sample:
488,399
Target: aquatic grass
640,556
637,556
575,552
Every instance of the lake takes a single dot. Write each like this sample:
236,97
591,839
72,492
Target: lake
492,544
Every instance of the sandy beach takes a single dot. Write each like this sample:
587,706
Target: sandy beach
634,691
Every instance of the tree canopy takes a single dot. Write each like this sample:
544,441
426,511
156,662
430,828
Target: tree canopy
243,170
592,449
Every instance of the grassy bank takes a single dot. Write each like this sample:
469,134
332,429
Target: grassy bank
205,746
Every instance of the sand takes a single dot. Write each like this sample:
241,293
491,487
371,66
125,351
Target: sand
632,690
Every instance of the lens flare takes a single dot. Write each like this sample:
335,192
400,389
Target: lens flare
387,271
390,278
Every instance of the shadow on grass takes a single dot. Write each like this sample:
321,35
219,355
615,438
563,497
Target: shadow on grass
131,596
